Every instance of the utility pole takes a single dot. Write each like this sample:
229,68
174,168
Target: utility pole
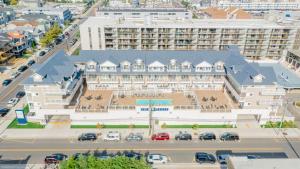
150,117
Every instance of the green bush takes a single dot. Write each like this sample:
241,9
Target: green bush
285,124
91,162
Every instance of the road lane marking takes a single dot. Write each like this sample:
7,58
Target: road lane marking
30,141
141,149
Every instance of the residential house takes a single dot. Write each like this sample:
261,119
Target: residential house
35,24
5,48
6,15
20,40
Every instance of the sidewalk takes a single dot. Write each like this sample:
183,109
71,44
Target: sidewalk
67,133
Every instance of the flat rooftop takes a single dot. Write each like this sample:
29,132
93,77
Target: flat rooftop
185,23
245,163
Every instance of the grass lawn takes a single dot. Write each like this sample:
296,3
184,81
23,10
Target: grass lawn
285,124
108,126
186,126
14,125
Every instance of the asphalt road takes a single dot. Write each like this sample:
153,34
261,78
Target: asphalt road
177,151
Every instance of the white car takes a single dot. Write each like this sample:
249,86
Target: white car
112,136
12,102
157,159
15,75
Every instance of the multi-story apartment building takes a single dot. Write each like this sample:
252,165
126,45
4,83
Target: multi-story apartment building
144,12
261,6
256,38
118,86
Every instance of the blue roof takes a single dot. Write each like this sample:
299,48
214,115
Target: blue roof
284,76
54,69
61,65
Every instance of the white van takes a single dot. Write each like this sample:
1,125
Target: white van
112,136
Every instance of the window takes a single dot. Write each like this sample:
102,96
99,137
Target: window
106,13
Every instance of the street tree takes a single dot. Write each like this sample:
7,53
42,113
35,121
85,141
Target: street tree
92,162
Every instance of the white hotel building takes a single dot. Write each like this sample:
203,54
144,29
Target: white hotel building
261,6
256,38
180,87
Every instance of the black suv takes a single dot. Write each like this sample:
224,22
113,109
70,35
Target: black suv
87,136
3,111
229,136
202,157
22,68
183,136
20,94
6,82
30,63
207,136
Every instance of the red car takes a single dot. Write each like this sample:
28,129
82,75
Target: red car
160,136
51,160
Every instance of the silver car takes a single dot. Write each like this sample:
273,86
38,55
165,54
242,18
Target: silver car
134,137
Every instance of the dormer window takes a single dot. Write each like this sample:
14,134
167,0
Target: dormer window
186,66
173,67
219,66
108,66
125,66
156,67
139,65
204,67
91,66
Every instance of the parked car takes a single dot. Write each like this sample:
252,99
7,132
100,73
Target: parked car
22,68
134,137
134,155
12,102
47,49
229,136
6,82
222,157
183,136
157,159
42,53
15,75
72,42
87,137
112,136
30,63
207,136
57,41
60,156
20,94
202,157
160,136
55,158
3,111
50,160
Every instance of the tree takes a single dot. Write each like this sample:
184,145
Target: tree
52,34
185,3
92,162
14,2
